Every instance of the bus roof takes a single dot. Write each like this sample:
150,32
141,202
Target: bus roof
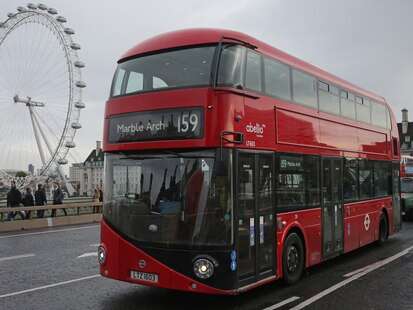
199,36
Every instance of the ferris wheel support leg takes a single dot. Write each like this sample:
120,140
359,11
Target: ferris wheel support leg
36,135
69,186
42,133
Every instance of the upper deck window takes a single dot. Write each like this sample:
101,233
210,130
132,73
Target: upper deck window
378,114
231,65
304,90
253,73
328,98
179,68
363,110
277,79
347,106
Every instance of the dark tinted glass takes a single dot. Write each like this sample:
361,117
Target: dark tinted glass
180,68
290,183
366,178
350,180
170,199
382,179
311,166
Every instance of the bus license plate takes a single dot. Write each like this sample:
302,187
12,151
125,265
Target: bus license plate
144,276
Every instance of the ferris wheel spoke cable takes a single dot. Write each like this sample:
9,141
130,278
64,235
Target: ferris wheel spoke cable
48,127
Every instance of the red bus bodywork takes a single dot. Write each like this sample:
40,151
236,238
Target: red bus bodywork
289,128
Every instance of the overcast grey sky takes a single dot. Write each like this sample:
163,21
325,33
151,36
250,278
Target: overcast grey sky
367,42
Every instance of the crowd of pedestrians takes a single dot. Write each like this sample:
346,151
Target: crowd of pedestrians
17,199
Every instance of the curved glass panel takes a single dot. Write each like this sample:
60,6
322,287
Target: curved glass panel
170,198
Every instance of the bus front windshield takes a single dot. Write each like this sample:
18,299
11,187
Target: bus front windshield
186,67
170,198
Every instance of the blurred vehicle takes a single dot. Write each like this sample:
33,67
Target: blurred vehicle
407,197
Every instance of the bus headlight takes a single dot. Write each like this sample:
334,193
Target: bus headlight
203,268
101,255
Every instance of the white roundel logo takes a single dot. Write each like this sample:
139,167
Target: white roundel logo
367,222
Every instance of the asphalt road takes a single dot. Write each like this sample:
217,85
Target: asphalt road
57,269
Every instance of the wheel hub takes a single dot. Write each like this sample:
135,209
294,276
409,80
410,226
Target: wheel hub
292,259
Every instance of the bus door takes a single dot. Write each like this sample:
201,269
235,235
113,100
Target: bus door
332,206
255,216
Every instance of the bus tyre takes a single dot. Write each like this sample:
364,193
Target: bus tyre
383,229
293,259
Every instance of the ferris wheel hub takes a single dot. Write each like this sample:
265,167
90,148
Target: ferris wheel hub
28,101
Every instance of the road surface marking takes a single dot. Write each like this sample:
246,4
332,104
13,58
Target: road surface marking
48,231
94,244
48,286
2,259
282,303
88,254
356,276
347,275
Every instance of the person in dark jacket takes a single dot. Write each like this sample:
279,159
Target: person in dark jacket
58,199
40,199
14,198
28,201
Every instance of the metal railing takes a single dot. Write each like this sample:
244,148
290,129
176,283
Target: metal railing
72,209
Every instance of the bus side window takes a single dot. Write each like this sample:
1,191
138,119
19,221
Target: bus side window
277,79
253,77
304,90
350,180
328,98
378,114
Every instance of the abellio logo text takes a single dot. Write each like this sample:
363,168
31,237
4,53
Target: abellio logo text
256,128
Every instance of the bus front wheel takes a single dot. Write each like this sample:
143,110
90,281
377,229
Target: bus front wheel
293,258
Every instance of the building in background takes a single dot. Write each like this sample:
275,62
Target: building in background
31,169
75,177
406,134
86,176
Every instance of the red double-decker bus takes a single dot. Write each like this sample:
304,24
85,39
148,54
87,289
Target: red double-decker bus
230,164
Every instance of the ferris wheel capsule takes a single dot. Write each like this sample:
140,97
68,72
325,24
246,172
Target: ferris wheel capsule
76,125
75,46
79,64
52,11
11,15
80,84
21,9
70,144
32,6
62,161
79,105
69,31
3,25
42,6
61,19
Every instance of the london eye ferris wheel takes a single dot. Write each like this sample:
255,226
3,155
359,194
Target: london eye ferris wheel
40,92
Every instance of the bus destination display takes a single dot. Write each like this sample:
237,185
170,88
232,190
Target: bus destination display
157,125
